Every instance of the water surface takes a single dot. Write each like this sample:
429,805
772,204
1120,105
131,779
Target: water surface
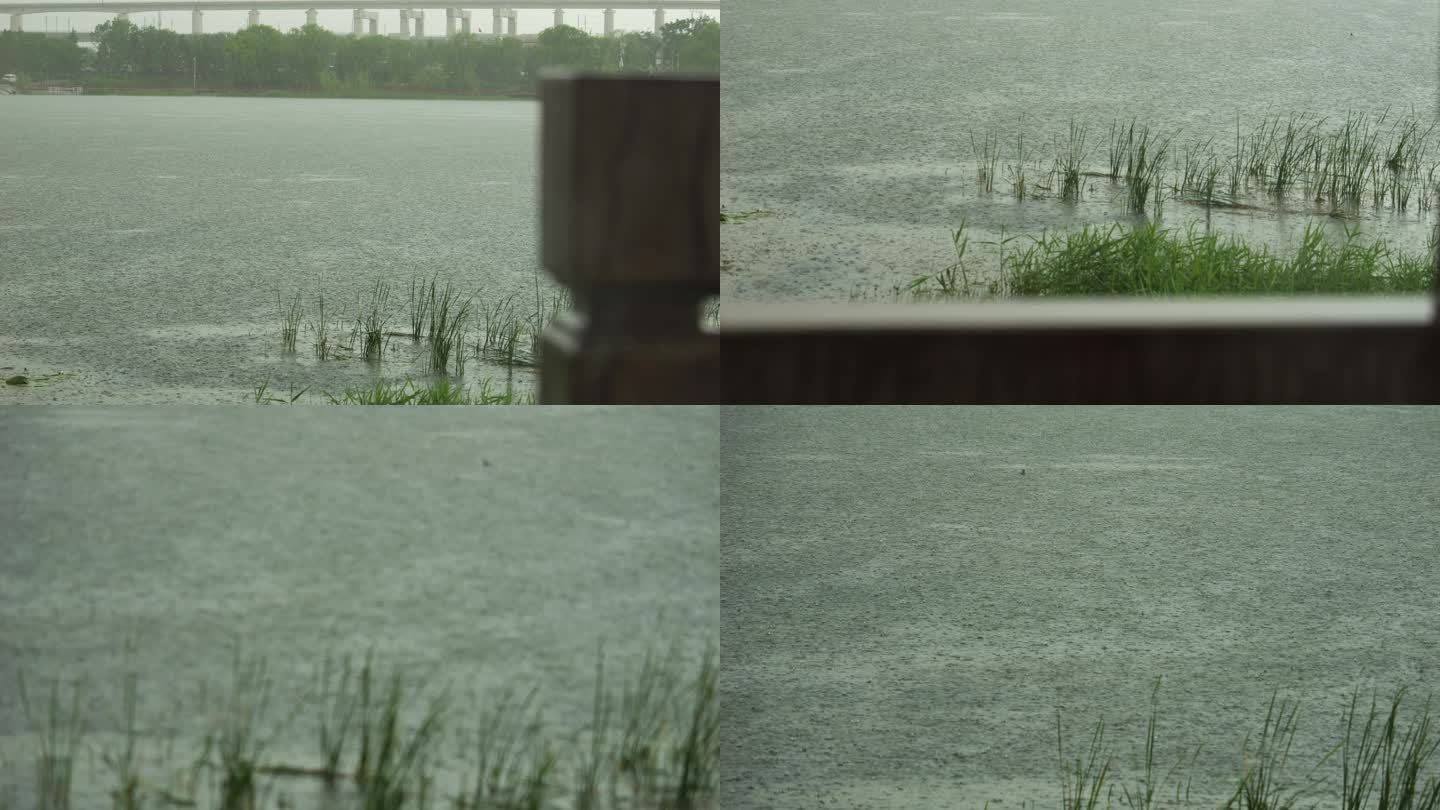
490,555
145,239
908,595
853,123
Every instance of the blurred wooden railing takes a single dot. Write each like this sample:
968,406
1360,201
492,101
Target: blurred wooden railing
631,224
630,209
1129,351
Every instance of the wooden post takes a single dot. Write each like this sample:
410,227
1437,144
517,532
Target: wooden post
630,209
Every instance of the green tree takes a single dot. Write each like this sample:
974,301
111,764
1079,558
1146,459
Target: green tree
312,51
639,50
565,46
113,47
255,57
700,49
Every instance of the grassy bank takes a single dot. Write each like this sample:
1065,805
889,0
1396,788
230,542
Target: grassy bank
1148,260
1385,764
652,743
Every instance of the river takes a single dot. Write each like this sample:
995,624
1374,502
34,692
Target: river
910,595
491,556
852,122
144,241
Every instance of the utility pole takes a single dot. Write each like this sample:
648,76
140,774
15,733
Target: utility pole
194,74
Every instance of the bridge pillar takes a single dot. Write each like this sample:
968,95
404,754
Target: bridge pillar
374,18
559,17
510,18
609,22
358,22
124,15
404,22
254,17
197,22
419,23
495,25
659,19
465,21
449,23
310,15
17,22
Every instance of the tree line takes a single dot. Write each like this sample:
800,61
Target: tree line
313,58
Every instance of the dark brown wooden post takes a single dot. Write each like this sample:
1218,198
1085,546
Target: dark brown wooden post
630,207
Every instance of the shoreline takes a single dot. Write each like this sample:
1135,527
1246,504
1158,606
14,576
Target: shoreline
233,93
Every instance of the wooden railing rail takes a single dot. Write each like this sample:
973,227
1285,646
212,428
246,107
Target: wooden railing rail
1127,351
630,208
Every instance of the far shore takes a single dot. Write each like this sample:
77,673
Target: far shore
396,93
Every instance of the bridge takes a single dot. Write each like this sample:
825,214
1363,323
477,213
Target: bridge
455,17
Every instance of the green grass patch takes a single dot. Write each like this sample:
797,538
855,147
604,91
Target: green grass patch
1146,260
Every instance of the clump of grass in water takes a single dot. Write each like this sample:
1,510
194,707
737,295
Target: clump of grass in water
238,748
1071,161
338,709
422,298
127,795
55,765
1146,788
514,763
1122,139
1016,170
1260,788
322,331
1400,762
391,767
376,317
1089,774
1293,151
447,326
290,317
987,154
1147,163
700,754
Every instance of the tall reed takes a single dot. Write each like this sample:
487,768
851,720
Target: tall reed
59,739
1071,161
987,154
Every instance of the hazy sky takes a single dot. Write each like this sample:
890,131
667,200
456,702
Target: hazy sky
530,21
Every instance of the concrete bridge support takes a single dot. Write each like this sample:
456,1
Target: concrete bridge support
17,22
408,14
453,15
310,16
124,15
609,22
510,19
254,17
559,17
197,22
361,15
659,19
